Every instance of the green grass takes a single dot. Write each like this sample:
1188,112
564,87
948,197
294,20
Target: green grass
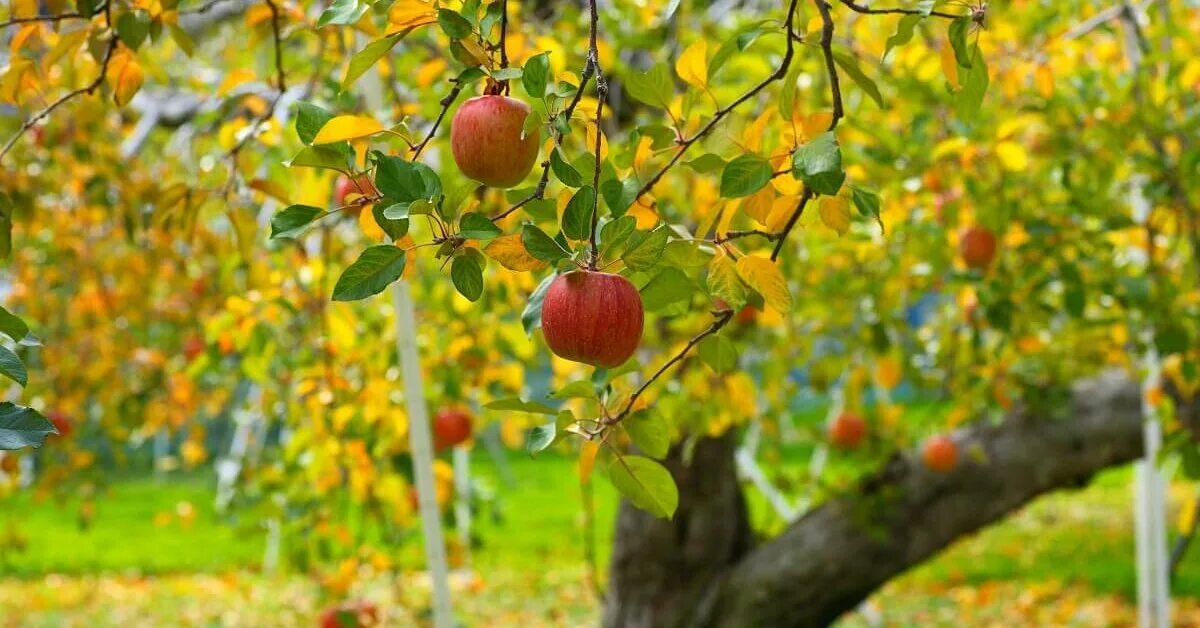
1079,538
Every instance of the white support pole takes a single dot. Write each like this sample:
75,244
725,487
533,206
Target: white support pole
421,445
1150,513
462,498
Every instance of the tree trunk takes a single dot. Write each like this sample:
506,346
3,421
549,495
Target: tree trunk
698,569
661,569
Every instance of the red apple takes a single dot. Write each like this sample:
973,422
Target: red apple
348,192
451,427
193,346
978,247
940,454
350,615
61,422
847,430
342,187
592,317
489,143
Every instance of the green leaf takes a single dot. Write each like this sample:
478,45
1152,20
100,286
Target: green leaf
850,65
541,437
969,99
292,220
517,404
86,8
614,233
467,277
724,282
12,326
903,34
541,246
1170,339
454,25
646,484
577,217
719,353
507,74
867,202
706,163
374,270
958,39
329,157
563,170
12,367
309,120
579,389
342,12
744,176
22,427
531,316
406,181
666,288
619,195
368,56
655,87
734,44
650,432
476,226
132,27
819,164
536,75
395,228
645,248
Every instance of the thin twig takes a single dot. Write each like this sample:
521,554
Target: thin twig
589,70
734,235
864,9
601,95
445,103
204,8
835,86
282,82
88,89
720,320
685,144
787,229
58,17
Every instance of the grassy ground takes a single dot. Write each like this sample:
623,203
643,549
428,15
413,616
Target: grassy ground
1066,560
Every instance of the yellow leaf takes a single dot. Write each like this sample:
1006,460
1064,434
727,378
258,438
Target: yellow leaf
591,140
1043,77
126,77
950,67
758,205
817,123
22,35
692,65
344,128
765,277
272,189
887,372
1012,156
67,44
587,460
835,213
257,14
475,51
233,79
752,138
411,13
511,253
429,72
781,212
1187,516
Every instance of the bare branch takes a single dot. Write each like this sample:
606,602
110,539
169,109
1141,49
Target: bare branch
282,82
58,17
721,113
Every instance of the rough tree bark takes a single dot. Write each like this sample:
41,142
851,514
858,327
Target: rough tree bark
700,570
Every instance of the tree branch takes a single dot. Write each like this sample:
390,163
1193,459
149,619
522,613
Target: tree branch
589,70
445,102
721,113
868,10
835,84
601,95
51,18
791,223
830,560
87,89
